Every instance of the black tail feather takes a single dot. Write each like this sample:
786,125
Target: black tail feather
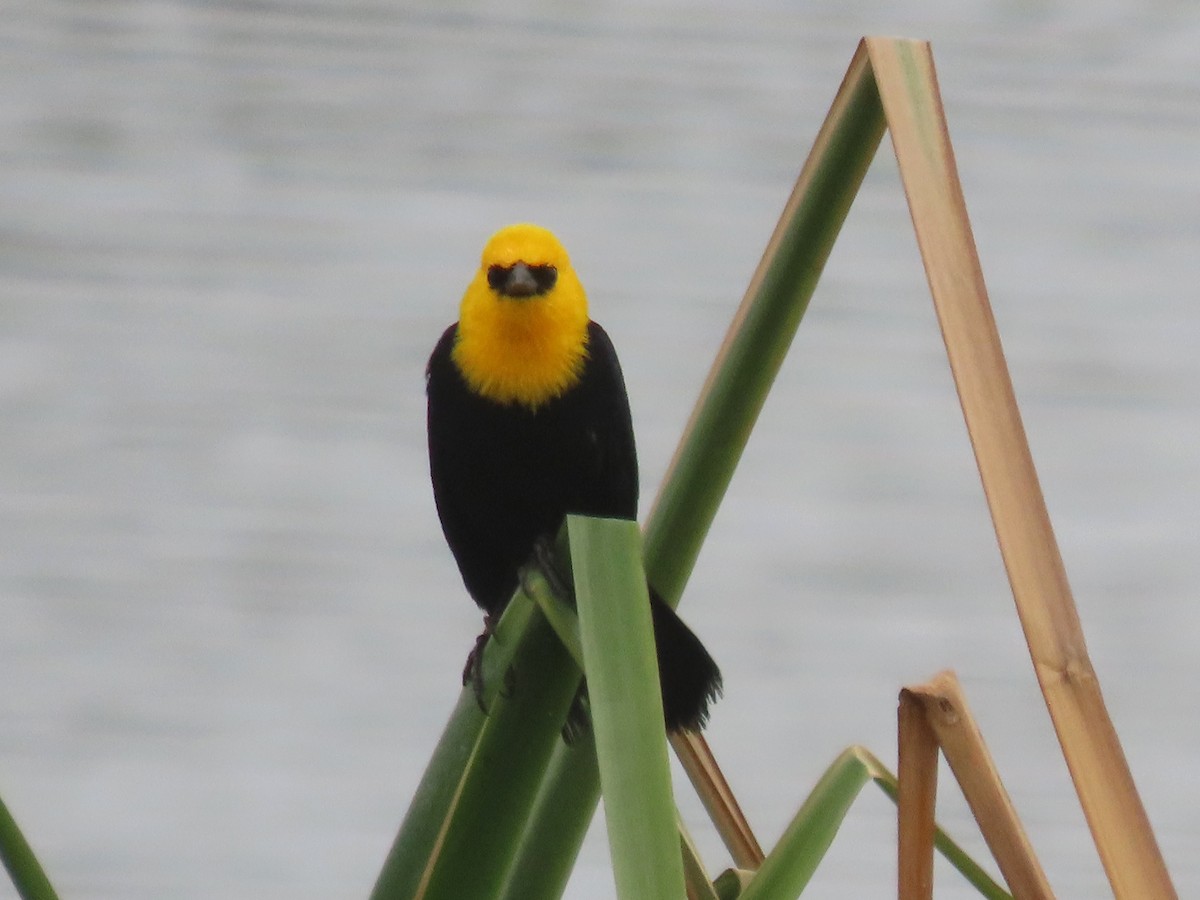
690,680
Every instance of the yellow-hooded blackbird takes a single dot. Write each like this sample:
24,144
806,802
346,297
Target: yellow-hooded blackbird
528,421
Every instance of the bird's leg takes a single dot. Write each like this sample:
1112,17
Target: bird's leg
473,670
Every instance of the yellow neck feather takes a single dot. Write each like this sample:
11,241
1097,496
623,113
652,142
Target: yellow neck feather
525,351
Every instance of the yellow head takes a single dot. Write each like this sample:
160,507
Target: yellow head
522,328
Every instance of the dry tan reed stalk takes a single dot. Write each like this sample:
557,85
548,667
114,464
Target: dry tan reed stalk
912,104
719,801
946,713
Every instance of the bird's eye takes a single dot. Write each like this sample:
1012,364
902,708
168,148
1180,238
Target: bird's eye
497,275
545,276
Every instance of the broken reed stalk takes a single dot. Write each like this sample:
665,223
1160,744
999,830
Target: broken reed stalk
908,89
944,708
916,798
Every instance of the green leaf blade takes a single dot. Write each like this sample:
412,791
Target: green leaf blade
622,673
26,872
789,866
720,425
462,831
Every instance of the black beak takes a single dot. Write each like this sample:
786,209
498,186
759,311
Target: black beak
520,282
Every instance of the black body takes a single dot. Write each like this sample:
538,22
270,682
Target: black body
504,475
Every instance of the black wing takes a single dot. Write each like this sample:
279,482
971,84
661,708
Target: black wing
609,486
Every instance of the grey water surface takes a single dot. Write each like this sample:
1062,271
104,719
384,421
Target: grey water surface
230,233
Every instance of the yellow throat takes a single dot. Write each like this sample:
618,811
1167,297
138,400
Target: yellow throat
525,350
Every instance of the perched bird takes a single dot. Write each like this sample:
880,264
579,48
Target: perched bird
528,421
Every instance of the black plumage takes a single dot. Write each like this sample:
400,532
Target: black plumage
505,475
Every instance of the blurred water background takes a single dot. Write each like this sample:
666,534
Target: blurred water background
230,233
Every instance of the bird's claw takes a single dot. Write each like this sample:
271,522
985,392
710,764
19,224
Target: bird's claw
473,670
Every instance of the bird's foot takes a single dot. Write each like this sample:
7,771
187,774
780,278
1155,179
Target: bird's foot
473,670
